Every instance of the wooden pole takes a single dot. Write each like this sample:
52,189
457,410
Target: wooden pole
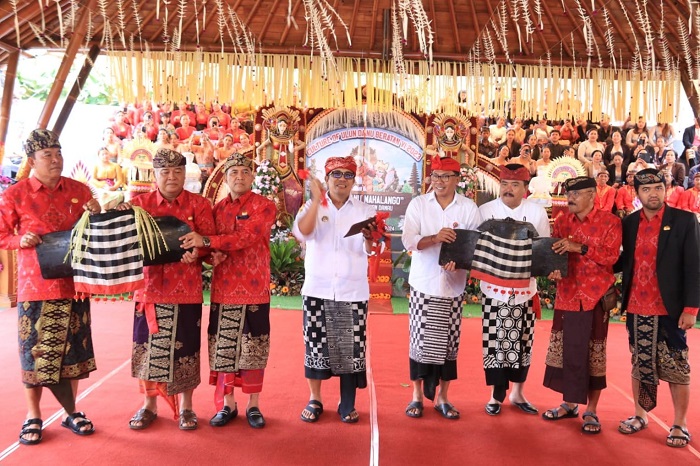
75,42
6,105
75,90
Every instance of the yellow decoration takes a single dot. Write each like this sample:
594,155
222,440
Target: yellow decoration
297,80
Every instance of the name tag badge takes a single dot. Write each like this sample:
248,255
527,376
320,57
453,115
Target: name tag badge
243,216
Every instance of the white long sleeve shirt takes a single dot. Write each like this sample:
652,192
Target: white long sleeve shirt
527,211
425,217
336,267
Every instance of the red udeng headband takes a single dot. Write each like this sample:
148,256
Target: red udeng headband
445,163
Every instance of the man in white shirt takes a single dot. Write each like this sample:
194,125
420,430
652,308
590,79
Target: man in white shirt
507,353
435,304
336,290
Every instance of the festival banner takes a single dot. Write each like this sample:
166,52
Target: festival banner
389,167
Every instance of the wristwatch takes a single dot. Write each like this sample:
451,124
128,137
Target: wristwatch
206,241
584,249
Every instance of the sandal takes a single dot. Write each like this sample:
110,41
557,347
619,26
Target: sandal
224,416
351,418
685,438
553,414
187,416
26,430
144,416
72,423
315,408
626,427
414,409
595,423
445,409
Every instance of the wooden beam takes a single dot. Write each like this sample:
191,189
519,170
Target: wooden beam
186,25
355,8
253,10
127,18
373,30
295,8
25,15
435,31
554,25
75,90
673,51
7,94
475,18
8,13
622,35
73,46
690,91
455,29
270,16
515,28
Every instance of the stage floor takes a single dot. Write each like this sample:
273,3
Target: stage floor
384,434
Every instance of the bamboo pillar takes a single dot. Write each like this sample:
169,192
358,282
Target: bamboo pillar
75,90
8,274
6,105
76,41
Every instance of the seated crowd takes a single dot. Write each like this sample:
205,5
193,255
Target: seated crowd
610,154
207,131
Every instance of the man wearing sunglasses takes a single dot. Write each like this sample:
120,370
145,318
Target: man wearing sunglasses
436,291
336,290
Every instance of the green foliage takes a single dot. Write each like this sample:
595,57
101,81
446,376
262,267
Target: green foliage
286,267
285,257
36,76
402,262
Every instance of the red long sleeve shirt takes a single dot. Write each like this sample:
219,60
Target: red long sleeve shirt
645,295
243,233
175,283
590,275
31,206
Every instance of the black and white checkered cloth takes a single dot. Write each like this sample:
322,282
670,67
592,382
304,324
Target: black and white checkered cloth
503,262
112,261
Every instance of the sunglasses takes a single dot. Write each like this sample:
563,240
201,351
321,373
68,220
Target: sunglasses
338,174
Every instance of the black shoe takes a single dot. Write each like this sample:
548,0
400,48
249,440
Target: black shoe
223,417
255,418
527,408
493,408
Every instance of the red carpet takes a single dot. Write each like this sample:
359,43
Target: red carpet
112,397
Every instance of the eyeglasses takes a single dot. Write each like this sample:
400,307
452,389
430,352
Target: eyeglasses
338,174
443,178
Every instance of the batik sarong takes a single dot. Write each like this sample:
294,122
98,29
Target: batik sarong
508,334
171,355
55,341
659,352
239,345
434,331
576,357
335,337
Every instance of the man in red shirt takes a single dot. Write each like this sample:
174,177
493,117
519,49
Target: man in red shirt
239,321
605,195
661,271
576,354
625,197
55,340
168,314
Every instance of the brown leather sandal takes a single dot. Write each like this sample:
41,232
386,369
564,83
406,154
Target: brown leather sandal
187,416
144,416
